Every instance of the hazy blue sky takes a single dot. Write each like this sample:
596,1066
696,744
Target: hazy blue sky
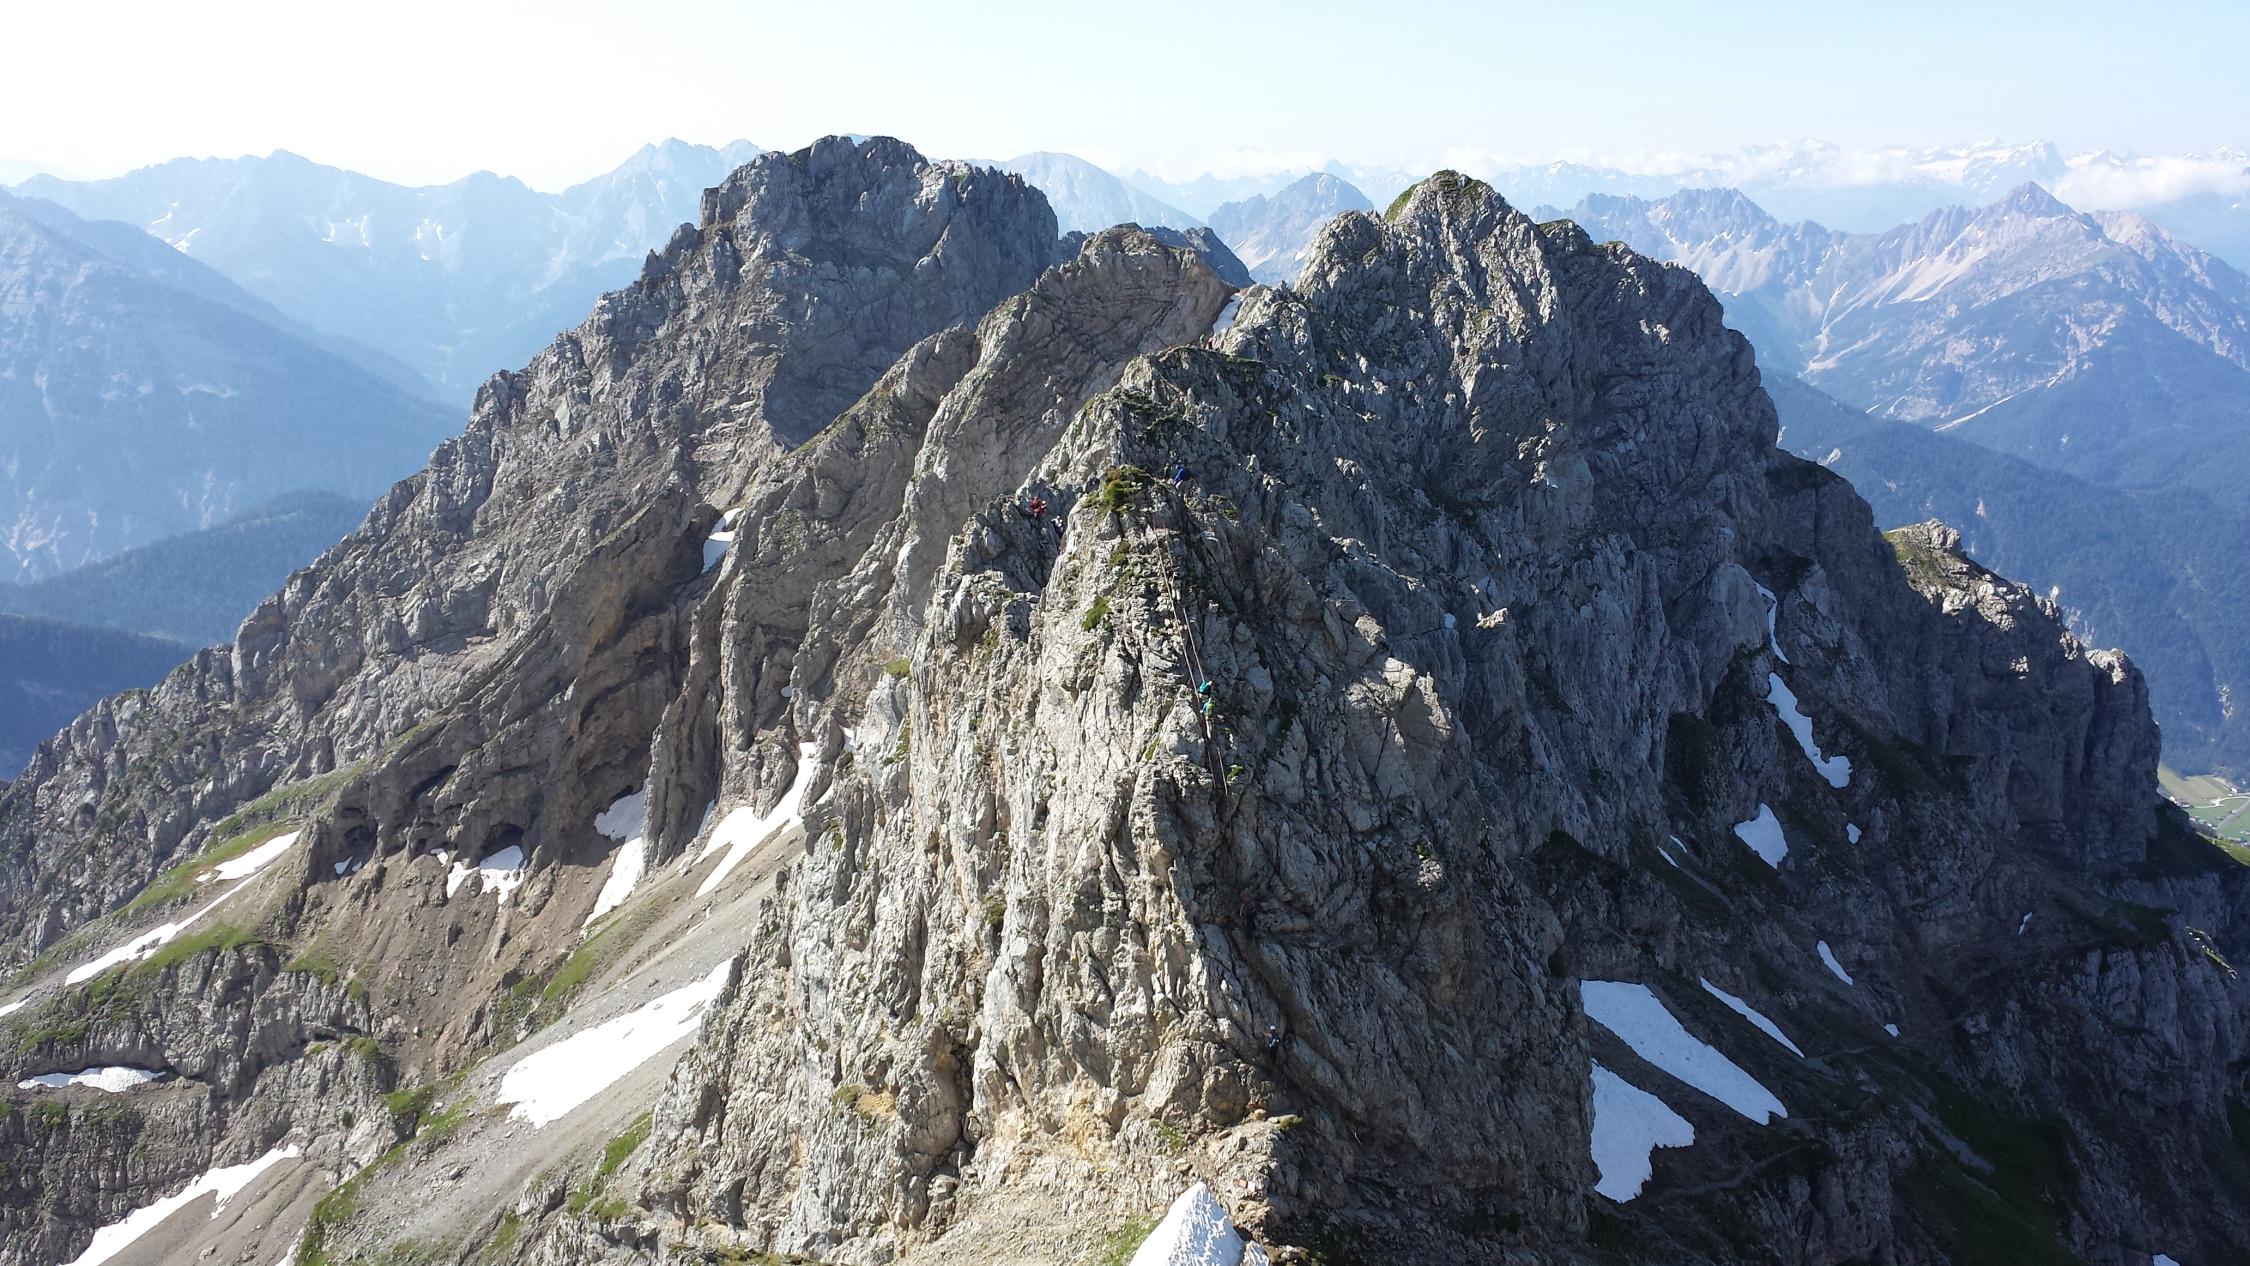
557,90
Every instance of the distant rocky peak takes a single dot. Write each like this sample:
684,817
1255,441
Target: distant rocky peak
2031,199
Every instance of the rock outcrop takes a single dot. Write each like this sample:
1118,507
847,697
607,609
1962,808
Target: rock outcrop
1270,827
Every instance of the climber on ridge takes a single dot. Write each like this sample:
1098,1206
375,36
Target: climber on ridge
1037,509
1179,475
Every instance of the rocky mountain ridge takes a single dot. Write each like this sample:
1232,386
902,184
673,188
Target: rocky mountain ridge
1369,825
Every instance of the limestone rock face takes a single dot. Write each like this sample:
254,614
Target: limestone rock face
1261,826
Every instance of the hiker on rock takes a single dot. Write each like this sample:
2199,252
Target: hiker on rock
1037,509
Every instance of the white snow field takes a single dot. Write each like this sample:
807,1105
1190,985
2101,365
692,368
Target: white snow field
1752,1014
252,862
1629,1125
1828,956
157,937
1196,1231
115,1079
1851,833
715,546
1836,769
1226,314
14,1007
223,1183
744,829
1773,614
546,1084
1763,835
498,872
1639,1018
1891,1029
625,820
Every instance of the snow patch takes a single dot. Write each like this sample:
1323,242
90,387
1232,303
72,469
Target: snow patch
1891,1029
499,873
626,816
223,1183
545,1085
1763,835
1750,1013
2162,1260
1773,615
150,941
1851,833
256,859
1828,957
1218,326
744,829
1637,1017
1629,1125
2024,923
1196,1231
1836,769
13,1007
114,1079
722,537
626,819
1666,853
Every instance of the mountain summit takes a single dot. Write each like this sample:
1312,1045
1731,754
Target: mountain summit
898,741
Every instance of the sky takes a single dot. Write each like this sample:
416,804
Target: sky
559,90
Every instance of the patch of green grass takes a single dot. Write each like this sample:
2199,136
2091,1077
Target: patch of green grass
504,1237
319,962
71,946
1121,486
1924,567
588,1200
1118,1246
621,1148
899,668
212,938
1095,614
407,1105
177,883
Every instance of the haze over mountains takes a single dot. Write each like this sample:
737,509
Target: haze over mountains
143,394
2092,343
456,281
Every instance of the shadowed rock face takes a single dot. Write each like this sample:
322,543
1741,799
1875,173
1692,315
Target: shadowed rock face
1473,550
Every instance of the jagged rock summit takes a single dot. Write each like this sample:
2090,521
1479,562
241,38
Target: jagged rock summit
803,774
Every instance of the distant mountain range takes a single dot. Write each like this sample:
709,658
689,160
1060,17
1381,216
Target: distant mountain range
1271,234
2094,344
457,281
143,394
2202,198
1086,198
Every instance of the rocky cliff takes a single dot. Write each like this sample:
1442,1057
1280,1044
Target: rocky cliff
1491,806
